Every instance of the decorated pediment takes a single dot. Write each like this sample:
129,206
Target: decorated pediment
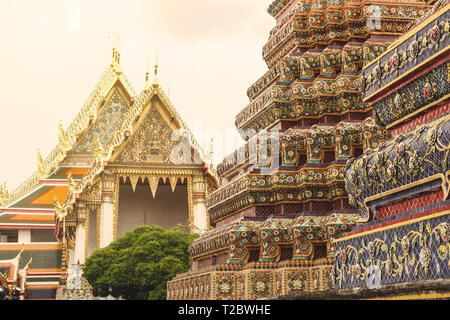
109,119
155,140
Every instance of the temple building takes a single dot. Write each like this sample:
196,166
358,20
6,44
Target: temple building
126,160
284,199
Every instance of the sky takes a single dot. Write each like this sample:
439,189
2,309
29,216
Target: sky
54,52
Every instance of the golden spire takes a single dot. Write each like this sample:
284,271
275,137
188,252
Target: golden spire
118,49
116,52
147,72
155,79
113,62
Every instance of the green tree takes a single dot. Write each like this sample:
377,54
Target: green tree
138,265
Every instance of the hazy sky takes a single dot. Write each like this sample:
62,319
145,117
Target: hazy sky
209,54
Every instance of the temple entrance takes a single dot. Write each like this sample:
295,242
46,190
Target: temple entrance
138,207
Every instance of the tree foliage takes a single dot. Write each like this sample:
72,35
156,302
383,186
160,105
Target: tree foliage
138,265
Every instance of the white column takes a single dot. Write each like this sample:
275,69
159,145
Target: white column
107,210
106,223
71,258
199,195
24,236
80,234
80,244
200,220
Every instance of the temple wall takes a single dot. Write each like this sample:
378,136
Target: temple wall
139,208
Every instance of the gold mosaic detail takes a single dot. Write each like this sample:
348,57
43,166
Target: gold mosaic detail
151,143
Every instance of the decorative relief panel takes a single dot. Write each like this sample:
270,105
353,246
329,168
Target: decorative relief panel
92,193
151,143
105,126
416,156
416,251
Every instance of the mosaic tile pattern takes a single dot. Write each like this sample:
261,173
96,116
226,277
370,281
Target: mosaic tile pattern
106,124
416,251
411,52
412,157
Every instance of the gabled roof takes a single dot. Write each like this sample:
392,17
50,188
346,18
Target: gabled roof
67,139
105,154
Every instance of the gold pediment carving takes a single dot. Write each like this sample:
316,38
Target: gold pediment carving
92,193
151,143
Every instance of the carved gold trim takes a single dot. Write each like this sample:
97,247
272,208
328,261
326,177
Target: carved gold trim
392,226
190,204
157,172
421,296
116,206
146,111
86,233
413,114
93,196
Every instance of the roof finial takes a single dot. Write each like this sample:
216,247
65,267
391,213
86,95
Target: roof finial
118,49
114,44
116,52
114,48
147,72
155,79
42,168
